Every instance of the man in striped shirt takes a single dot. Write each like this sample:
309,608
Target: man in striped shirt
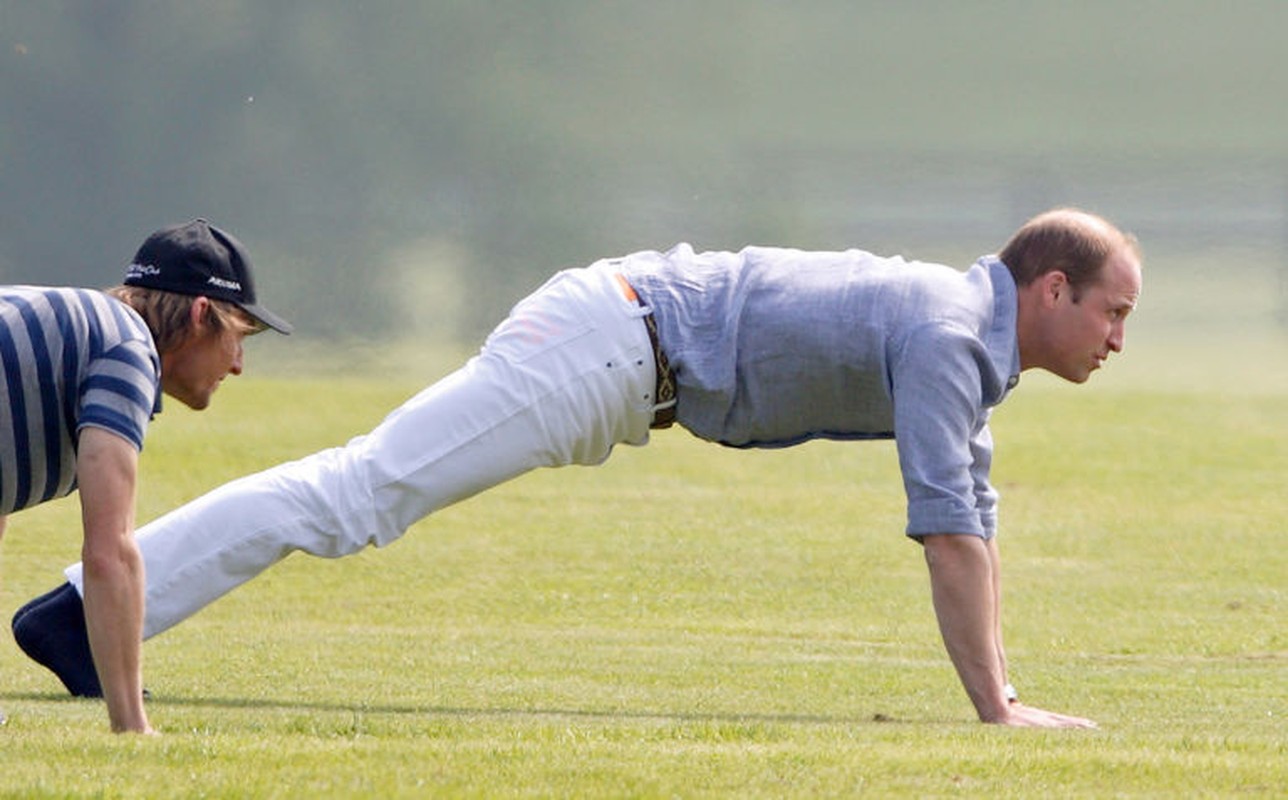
83,375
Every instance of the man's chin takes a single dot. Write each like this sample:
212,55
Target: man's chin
1075,377
195,402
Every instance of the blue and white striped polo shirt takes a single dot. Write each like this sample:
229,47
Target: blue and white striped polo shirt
72,358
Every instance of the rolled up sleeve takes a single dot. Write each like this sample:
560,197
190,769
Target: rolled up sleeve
941,432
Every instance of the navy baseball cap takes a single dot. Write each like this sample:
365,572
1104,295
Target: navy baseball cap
196,258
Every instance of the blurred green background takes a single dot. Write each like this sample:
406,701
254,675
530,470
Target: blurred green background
406,170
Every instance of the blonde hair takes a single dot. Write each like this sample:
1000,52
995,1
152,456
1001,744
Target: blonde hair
168,316
1066,240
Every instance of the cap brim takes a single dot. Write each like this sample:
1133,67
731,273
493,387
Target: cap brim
266,317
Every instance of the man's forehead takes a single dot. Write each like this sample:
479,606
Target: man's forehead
1121,276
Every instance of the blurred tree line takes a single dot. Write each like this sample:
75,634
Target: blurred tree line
387,161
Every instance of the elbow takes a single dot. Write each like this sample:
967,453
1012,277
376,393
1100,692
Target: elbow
100,561
942,546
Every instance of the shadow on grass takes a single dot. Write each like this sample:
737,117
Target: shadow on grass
270,704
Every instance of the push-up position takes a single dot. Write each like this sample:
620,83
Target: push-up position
760,348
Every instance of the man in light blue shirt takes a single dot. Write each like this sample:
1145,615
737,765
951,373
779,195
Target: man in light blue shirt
802,345
764,347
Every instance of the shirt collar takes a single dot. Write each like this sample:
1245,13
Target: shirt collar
1001,338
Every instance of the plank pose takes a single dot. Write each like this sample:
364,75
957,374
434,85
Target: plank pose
760,348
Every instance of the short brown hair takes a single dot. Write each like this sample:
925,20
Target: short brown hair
167,314
1066,240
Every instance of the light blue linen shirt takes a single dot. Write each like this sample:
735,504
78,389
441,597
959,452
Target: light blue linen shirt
772,347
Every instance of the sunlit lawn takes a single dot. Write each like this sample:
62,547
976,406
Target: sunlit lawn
692,621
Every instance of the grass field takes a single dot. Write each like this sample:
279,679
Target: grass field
690,621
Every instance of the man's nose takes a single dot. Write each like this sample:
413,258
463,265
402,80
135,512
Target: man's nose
1117,338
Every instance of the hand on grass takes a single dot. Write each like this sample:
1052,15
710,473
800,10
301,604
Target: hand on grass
1023,716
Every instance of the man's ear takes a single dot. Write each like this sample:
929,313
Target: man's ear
1054,284
197,313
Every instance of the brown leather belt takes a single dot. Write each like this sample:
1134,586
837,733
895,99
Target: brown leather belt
664,392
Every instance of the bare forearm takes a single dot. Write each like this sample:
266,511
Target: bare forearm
964,595
114,621
106,469
995,566
966,585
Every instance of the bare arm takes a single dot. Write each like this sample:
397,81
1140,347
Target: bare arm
995,566
106,470
966,589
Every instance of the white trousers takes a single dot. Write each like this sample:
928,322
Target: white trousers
568,375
